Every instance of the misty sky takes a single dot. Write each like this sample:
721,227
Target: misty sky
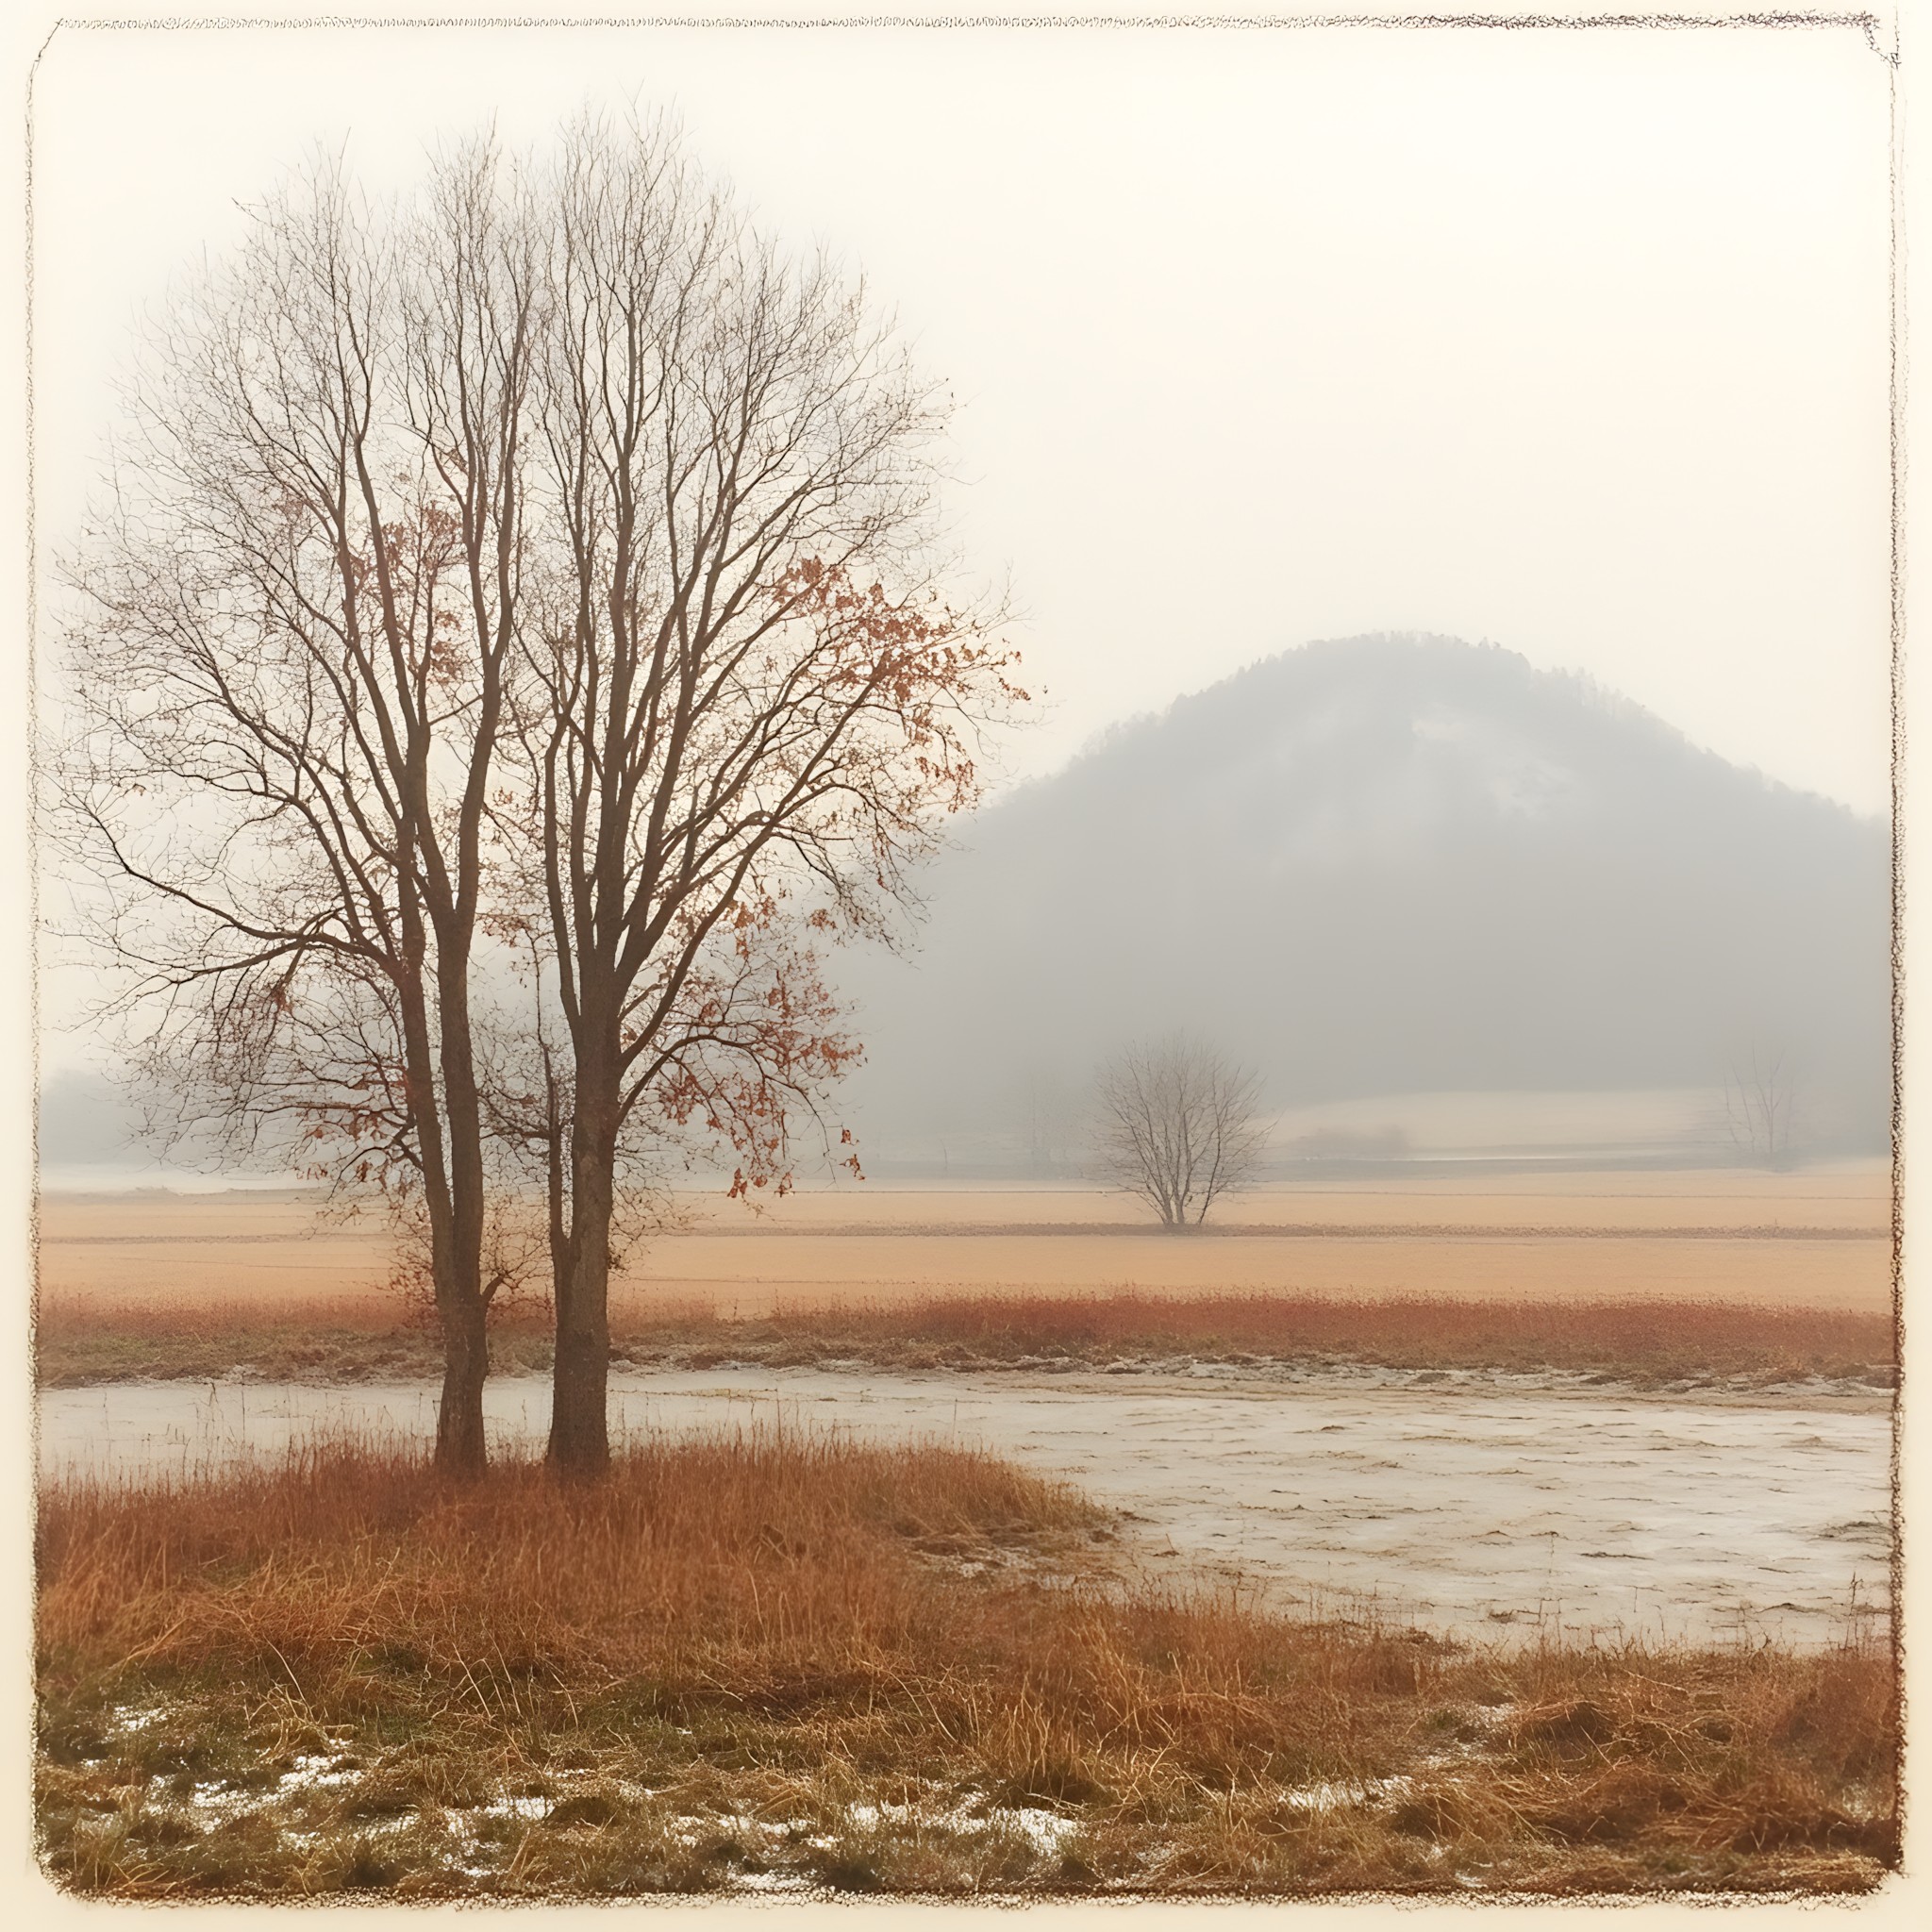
1574,342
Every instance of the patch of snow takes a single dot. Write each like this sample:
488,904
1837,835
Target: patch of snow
971,1816
532,1807
1047,1831
773,1881
692,1828
322,1767
1343,1795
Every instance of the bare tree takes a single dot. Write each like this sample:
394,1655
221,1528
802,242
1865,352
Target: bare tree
1179,1127
1761,1104
296,621
749,706
542,573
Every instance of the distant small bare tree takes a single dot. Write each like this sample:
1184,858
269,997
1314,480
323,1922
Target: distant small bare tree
1761,1104
1179,1127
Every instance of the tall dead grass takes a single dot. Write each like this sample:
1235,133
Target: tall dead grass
1656,1340
1645,1342
855,1665
346,1553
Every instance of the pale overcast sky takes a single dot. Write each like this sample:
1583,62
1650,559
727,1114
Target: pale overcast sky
1576,342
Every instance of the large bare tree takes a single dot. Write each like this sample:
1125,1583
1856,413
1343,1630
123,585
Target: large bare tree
1179,1127
297,612
750,706
542,572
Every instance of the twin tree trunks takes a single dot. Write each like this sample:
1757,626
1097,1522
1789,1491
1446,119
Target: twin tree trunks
579,1437
537,575
580,1375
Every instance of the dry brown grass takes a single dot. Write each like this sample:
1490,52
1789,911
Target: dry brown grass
319,1338
1644,1343
799,1659
1643,1340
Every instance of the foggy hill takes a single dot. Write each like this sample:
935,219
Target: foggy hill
1388,865
1378,867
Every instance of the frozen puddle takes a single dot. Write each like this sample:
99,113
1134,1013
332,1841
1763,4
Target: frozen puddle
1485,1514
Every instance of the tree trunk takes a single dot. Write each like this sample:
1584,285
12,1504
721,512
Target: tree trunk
459,1445
580,1377
581,1371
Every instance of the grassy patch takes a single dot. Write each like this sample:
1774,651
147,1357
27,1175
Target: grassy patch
795,1661
1646,1344
344,1338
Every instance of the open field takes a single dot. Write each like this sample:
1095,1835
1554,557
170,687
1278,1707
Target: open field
778,1663
1730,1274
1806,1239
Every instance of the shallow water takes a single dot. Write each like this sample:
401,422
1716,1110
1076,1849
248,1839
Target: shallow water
1477,1513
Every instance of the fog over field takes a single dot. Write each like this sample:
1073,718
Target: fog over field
1327,357
1383,868
1441,902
